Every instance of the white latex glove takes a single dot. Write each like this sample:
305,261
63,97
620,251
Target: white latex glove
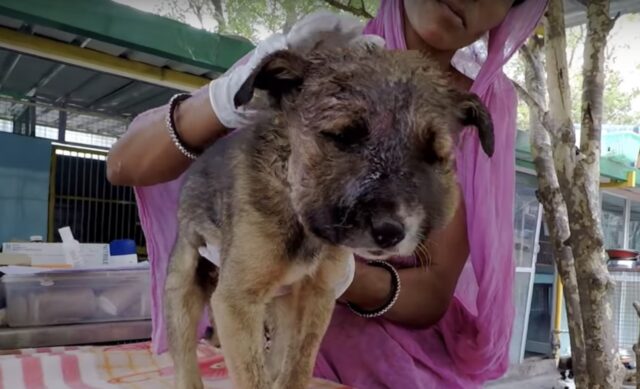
212,253
318,29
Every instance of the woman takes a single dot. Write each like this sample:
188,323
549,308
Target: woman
451,325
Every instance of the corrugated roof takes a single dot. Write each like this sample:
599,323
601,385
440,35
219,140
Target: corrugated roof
97,101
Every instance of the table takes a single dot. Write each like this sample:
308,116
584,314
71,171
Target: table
130,366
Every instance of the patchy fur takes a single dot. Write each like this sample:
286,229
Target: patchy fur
354,155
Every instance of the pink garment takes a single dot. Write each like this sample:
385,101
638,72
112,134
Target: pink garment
470,345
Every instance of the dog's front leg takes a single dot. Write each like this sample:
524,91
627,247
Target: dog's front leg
312,303
246,284
240,324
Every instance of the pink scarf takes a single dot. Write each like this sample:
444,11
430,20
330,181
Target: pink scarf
470,345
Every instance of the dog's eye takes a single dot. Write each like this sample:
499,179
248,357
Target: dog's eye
349,136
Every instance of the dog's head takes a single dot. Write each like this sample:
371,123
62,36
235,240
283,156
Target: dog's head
372,137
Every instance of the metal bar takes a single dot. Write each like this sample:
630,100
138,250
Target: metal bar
534,260
104,206
68,179
110,213
83,187
89,179
89,123
112,201
118,209
625,226
96,205
156,100
138,95
75,192
110,95
76,56
83,84
623,296
126,231
132,216
62,125
53,174
557,306
10,69
17,99
45,79
74,334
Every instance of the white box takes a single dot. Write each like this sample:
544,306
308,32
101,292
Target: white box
73,296
53,254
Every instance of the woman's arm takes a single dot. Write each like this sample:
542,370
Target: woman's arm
146,155
426,293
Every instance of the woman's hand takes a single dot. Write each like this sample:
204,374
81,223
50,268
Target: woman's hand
145,154
318,29
425,293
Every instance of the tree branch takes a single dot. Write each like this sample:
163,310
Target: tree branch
531,102
218,15
558,74
358,11
535,65
574,48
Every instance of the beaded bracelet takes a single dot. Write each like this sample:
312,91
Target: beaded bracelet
395,292
171,126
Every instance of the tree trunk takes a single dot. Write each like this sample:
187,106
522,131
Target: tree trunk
550,196
556,216
569,190
578,175
218,15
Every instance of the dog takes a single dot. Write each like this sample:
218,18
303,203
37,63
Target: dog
354,154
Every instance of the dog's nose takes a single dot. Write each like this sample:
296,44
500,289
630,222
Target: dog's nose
387,232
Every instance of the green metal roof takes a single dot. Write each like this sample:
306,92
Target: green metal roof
124,26
610,167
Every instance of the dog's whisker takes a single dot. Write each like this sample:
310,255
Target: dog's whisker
423,255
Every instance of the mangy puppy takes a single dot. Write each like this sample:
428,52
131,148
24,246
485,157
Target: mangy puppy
355,155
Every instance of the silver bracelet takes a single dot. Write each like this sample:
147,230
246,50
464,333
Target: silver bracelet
395,293
171,126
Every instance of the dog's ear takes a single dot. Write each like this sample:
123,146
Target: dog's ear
279,73
472,112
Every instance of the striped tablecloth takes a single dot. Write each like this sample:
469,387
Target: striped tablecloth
131,366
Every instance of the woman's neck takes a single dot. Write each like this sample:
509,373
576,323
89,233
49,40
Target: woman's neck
415,42
442,58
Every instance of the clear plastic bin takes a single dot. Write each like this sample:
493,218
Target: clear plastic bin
77,296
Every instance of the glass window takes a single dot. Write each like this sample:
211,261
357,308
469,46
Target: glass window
613,221
634,226
6,125
89,139
47,132
545,255
525,219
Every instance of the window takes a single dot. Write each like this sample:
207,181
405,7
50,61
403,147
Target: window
6,125
613,220
525,219
89,139
47,132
